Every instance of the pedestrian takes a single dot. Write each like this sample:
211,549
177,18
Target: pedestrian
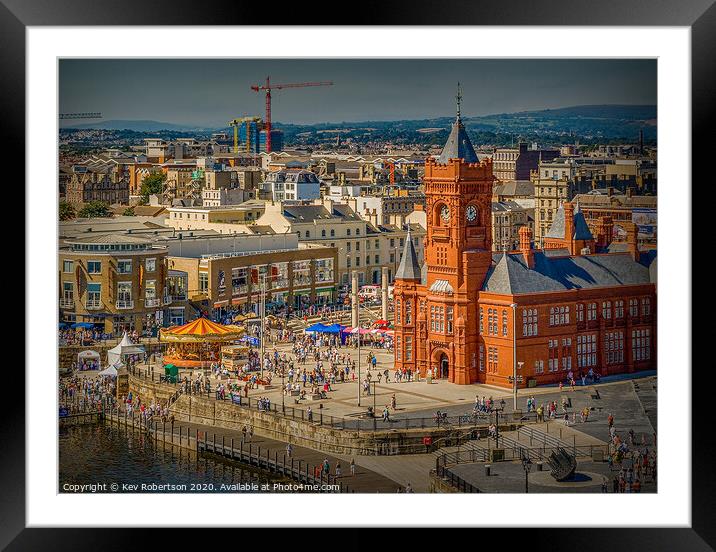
408,488
289,450
338,469
353,467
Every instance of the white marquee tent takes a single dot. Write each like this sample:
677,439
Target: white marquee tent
125,347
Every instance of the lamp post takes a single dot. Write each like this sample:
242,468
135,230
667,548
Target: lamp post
514,355
527,466
262,308
497,422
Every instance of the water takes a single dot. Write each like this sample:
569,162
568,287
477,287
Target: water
105,455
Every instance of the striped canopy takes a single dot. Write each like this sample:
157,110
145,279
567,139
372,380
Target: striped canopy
201,329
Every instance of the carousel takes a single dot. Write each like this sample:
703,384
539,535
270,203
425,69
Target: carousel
198,343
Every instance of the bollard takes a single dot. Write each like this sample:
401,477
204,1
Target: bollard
487,469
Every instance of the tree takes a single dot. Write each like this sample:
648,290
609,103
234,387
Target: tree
128,212
94,209
152,184
67,211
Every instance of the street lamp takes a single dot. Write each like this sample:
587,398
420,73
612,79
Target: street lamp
514,355
497,422
527,466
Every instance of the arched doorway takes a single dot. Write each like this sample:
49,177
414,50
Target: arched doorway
444,367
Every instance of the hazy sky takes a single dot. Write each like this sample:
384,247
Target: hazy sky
210,92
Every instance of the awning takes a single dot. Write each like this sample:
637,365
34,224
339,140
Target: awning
221,303
332,288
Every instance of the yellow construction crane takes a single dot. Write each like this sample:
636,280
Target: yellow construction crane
236,123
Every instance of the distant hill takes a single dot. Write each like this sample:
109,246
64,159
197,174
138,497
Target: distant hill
629,112
138,126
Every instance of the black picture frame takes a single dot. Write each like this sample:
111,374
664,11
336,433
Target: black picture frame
699,15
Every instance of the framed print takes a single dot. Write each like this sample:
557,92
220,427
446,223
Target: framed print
387,260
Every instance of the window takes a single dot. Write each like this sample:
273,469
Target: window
641,344
68,266
333,233
357,246
357,261
586,350
124,292
592,311
614,347
377,244
348,262
606,310
377,259
203,281
323,233
408,313
482,357
633,307
645,306
449,319
150,265
94,295
68,291
553,349
398,348
357,231
567,353
348,232
124,266
529,322
397,311
408,347
492,360
94,267
504,322
482,320
618,309
308,234
539,366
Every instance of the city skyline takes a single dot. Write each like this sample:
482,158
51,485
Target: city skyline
212,91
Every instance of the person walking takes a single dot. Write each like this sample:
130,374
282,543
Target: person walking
353,467
338,469
289,450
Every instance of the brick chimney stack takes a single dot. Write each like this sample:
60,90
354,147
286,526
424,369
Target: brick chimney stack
605,231
632,231
528,253
568,221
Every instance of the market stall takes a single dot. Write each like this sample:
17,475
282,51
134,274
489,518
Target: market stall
88,360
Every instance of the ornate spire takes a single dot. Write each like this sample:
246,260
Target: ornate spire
409,268
458,99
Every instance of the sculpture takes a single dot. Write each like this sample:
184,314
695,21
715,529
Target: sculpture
563,464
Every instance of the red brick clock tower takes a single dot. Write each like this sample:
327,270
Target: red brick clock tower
443,334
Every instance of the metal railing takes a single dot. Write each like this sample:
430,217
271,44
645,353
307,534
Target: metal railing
125,303
455,480
316,416
93,305
67,303
152,302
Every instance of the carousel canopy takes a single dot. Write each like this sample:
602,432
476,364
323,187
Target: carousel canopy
201,329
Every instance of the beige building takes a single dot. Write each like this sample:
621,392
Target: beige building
507,219
226,219
554,184
114,281
96,182
362,246
297,277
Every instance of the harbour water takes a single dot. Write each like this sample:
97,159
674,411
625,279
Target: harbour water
117,461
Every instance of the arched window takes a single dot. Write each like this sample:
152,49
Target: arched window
323,233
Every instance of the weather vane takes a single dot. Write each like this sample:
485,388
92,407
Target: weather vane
459,99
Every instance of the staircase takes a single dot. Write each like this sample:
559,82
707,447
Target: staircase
645,391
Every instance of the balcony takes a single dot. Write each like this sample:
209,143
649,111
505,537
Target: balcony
124,304
176,298
67,303
281,283
148,303
93,304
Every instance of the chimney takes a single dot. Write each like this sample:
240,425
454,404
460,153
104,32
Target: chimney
526,246
568,221
605,231
632,231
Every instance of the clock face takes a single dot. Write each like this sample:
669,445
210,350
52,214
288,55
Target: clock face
445,213
471,213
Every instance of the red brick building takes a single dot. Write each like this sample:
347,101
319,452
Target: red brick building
471,316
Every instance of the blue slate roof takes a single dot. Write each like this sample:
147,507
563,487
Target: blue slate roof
458,145
581,229
511,275
409,268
